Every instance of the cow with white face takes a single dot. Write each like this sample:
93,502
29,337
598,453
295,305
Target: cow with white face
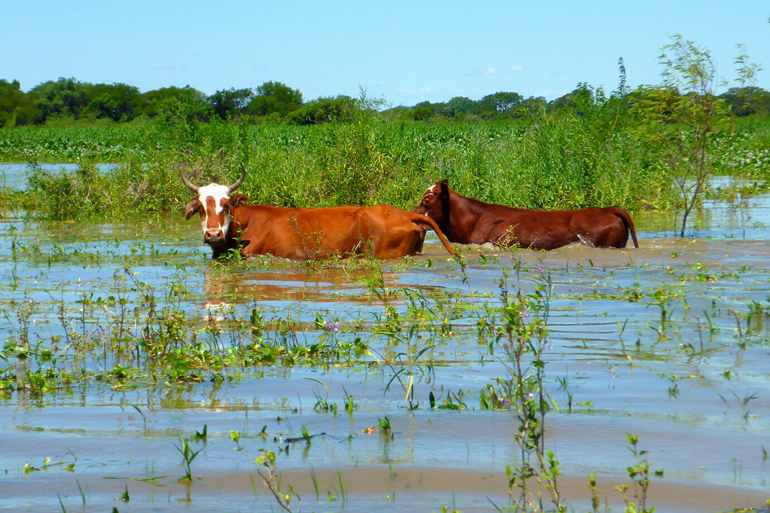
214,203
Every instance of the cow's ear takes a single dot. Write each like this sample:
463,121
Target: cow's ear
236,200
193,207
444,186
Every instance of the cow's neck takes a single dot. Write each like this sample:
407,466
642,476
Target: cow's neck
464,213
240,220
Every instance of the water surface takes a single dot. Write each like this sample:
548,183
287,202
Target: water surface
693,386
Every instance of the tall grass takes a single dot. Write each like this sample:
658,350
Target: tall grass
545,162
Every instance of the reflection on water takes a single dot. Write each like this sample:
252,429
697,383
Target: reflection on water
283,284
13,175
692,383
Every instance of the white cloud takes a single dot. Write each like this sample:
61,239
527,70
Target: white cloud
516,68
481,72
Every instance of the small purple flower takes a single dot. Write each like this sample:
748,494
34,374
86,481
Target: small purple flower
750,155
334,327
505,403
523,315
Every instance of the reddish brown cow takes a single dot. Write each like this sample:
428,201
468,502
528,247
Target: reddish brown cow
304,233
470,221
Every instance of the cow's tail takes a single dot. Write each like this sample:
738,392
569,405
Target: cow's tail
430,223
629,224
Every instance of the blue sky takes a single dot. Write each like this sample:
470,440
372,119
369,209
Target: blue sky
405,51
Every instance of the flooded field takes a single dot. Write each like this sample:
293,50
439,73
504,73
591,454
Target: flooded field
138,375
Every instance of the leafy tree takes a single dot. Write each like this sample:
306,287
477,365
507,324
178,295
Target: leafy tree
580,100
422,111
275,97
64,97
16,108
684,116
188,107
118,102
230,102
501,102
746,101
532,106
459,106
324,110
149,102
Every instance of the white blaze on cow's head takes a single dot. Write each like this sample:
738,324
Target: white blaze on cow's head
213,203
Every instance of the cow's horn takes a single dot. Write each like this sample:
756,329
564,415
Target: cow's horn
238,183
186,181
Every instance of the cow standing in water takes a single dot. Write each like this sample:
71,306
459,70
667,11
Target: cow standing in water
304,233
469,221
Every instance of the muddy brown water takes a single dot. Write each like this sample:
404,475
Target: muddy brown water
706,437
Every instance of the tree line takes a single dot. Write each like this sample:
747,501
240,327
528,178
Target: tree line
69,101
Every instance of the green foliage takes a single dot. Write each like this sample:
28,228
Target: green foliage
501,102
230,102
684,118
16,108
324,110
188,456
570,162
64,97
274,98
117,102
640,475
747,101
152,100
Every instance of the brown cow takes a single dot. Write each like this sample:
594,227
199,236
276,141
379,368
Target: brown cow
470,221
304,234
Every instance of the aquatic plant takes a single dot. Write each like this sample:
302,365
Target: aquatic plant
640,476
267,469
188,456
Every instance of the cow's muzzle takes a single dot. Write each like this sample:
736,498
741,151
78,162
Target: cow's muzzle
215,236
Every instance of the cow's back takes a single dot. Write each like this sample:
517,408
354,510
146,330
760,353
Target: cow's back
309,233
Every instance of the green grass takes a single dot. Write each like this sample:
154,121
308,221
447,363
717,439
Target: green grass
548,162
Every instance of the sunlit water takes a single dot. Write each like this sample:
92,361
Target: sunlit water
695,388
